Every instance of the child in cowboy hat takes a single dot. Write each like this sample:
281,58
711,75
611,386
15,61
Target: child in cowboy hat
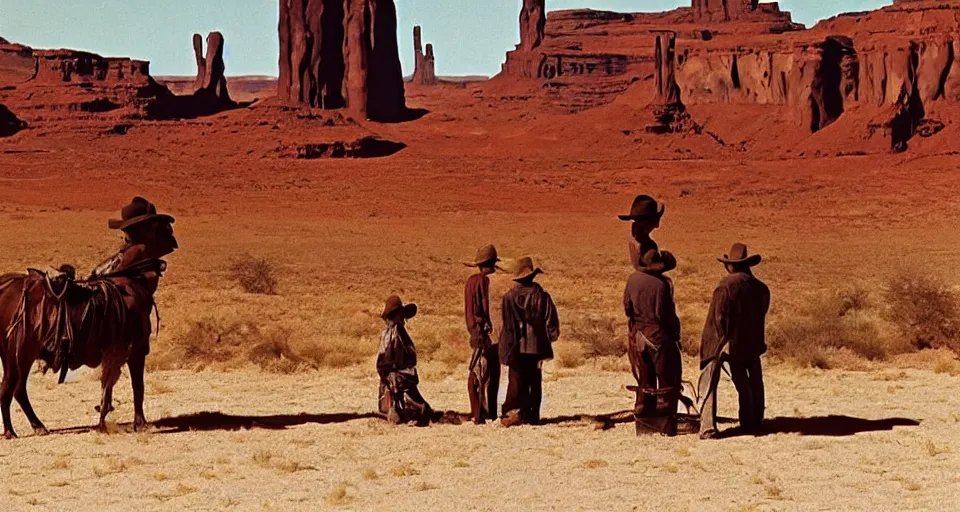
483,383
645,213
400,399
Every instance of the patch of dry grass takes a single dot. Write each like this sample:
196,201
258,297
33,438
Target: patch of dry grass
924,308
933,450
827,324
369,474
594,464
338,496
599,335
254,275
404,471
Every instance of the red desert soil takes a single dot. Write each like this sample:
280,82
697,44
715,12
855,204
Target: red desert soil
478,168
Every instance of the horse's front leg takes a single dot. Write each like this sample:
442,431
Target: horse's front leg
108,379
137,363
7,389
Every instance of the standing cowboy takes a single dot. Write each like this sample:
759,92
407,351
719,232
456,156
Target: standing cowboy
400,399
530,326
734,332
483,384
136,270
654,344
645,213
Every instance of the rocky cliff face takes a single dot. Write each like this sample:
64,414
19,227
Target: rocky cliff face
341,53
70,81
896,64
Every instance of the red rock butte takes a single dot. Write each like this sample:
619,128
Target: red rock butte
896,67
341,54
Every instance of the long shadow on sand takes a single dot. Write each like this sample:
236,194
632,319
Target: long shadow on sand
220,421
609,421
833,426
600,421
208,421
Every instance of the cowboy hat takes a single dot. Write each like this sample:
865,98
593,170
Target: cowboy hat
139,210
738,256
486,256
644,208
394,304
524,268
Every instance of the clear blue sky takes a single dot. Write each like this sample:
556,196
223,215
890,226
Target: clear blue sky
469,36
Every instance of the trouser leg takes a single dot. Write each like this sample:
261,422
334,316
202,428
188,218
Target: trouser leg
492,384
475,388
741,380
670,375
535,395
645,372
707,389
755,374
514,385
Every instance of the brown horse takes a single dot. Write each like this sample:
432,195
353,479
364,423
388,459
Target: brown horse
66,324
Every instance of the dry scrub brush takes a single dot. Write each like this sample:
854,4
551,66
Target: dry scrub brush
227,344
254,275
924,309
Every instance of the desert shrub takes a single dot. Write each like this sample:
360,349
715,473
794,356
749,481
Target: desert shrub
441,343
599,336
854,298
691,328
210,340
213,342
337,353
254,275
924,310
825,324
568,354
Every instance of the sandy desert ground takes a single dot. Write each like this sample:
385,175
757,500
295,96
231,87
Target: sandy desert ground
315,445
344,234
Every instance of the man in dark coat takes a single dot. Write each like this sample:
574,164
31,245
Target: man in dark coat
645,214
530,326
654,345
400,399
483,383
735,332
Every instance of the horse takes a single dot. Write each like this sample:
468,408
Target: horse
103,322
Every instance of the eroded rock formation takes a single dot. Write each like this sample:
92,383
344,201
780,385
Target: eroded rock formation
533,22
70,82
895,65
341,53
668,92
424,64
211,83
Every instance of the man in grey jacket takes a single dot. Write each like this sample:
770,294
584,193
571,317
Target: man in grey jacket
530,326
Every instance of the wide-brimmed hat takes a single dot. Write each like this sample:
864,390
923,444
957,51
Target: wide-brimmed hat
525,268
644,208
394,304
486,256
738,256
139,210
